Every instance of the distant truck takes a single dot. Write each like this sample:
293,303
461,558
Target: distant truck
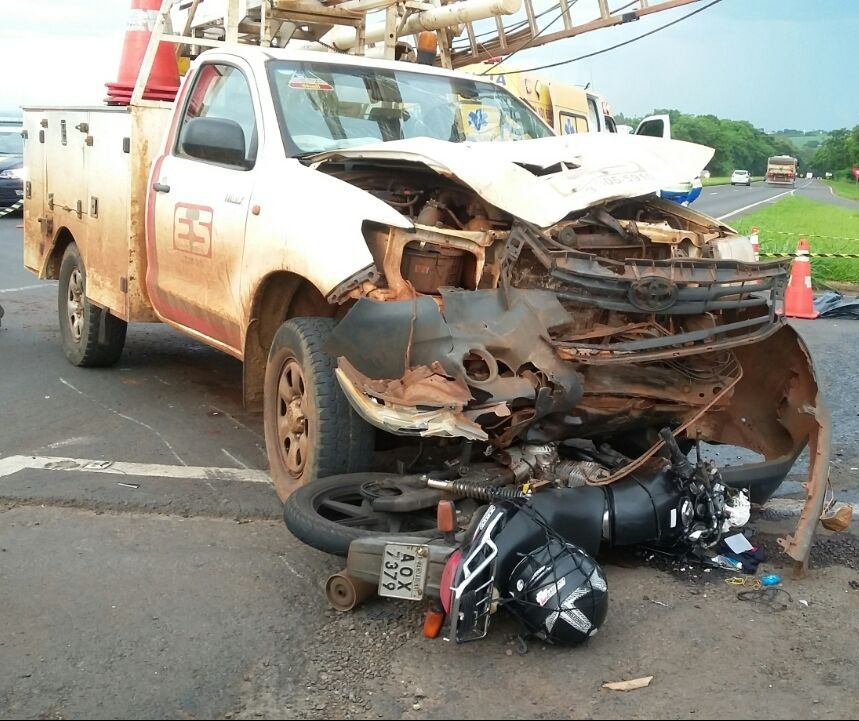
781,170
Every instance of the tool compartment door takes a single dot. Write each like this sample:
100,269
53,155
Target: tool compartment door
107,205
35,240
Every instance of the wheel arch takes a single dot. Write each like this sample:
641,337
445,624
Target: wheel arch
278,296
54,258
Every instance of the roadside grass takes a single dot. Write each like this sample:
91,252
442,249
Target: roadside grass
724,180
845,188
784,222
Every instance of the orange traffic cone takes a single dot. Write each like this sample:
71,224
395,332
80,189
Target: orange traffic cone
799,298
756,243
164,79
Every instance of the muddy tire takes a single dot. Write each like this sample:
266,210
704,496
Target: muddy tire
330,513
311,430
90,335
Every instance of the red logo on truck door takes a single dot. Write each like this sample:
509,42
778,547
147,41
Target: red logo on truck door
192,229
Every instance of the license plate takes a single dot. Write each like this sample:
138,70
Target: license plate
404,571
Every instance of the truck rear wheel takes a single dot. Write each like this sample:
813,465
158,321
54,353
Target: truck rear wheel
311,430
90,336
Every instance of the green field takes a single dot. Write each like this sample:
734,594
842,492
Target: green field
784,222
845,188
800,141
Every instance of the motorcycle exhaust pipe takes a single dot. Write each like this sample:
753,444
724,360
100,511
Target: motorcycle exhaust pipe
345,592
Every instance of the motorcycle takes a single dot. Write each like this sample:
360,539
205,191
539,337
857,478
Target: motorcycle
521,534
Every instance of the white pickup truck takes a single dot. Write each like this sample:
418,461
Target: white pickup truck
405,248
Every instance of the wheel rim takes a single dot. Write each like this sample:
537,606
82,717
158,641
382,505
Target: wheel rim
75,304
293,425
349,506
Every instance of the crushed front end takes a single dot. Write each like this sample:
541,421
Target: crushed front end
621,318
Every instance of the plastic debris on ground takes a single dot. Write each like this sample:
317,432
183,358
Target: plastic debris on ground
835,305
630,685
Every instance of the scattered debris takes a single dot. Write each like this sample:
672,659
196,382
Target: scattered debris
129,485
768,597
738,543
803,602
630,685
838,520
835,305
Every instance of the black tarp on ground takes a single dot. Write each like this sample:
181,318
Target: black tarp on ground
835,305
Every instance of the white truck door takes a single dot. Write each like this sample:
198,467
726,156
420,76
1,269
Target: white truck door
202,193
655,126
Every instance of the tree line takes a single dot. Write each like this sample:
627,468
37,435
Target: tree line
838,153
738,143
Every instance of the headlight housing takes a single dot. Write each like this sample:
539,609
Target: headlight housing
12,174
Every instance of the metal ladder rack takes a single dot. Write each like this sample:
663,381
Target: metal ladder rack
341,26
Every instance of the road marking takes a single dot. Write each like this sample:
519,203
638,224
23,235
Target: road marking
27,287
760,202
13,464
238,423
713,192
127,418
291,569
235,460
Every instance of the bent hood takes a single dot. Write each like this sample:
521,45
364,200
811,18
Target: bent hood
542,181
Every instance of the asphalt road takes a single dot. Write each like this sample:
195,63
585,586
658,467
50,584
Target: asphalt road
144,571
727,202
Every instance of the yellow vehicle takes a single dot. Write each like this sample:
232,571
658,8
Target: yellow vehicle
567,108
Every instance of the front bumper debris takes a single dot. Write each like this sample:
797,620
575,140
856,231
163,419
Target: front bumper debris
514,364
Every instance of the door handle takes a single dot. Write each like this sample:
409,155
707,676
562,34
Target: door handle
160,188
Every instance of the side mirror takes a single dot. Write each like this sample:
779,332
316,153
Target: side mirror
216,140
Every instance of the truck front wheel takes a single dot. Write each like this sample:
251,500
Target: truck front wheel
311,430
90,335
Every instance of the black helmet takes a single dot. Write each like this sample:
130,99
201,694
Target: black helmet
559,592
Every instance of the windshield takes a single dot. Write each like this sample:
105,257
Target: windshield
11,142
328,107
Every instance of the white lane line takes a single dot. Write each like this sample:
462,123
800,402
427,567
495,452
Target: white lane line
75,441
28,287
13,464
238,423
235,460
127,418
713,193
760,202
291,569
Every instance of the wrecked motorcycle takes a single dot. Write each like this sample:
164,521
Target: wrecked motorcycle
531,551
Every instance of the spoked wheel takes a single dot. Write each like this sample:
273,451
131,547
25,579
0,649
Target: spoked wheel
331,513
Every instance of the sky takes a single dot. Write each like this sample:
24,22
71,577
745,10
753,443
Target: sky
777,63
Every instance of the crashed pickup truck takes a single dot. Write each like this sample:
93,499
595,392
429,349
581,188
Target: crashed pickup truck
407,259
